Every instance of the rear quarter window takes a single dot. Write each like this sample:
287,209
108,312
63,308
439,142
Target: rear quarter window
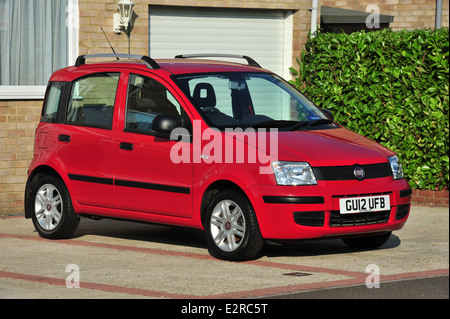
51,109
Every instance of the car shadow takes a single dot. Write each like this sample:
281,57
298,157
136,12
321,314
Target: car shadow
319,247
141,231
178,236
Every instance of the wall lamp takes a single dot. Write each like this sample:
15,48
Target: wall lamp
123,18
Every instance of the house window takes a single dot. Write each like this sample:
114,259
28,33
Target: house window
36,38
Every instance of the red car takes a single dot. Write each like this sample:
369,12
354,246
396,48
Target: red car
229,148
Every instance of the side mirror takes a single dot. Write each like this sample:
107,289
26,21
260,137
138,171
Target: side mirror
163,125
328,113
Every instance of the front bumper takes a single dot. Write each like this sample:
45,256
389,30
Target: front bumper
306,212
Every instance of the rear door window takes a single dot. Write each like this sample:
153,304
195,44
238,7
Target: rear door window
92,100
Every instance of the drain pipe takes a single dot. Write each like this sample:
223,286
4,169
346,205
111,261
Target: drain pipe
314,10
438,24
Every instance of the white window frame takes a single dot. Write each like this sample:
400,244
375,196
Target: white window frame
37,92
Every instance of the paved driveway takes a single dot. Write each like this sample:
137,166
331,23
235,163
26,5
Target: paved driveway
112,259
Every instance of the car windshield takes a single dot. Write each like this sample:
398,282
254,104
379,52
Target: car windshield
258,100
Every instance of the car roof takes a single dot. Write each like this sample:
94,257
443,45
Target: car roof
173,66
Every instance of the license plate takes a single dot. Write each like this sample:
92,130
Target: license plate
364,204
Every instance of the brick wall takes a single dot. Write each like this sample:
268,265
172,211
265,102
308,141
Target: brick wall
438,198
18,120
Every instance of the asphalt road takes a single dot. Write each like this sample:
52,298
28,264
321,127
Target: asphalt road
422,288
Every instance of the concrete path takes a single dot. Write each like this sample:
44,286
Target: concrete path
116,260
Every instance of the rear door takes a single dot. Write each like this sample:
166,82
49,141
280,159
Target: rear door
84,143
147,180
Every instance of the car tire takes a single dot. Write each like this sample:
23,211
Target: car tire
51,208
367,242
231,227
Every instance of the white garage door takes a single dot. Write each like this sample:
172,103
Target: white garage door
264,35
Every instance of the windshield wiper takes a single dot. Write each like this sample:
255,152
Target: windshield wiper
299,125
310,124
320,122
274,124
291,125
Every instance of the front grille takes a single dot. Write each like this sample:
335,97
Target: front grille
339,220
344,173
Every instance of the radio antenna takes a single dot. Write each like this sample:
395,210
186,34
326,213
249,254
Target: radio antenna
109,43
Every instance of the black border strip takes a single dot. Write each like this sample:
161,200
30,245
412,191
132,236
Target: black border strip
157,187
91,179
293,199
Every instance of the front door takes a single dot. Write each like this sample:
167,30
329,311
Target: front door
147,180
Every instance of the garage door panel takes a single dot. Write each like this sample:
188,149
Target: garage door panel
213,30
256,33
217,29
203,44
257,26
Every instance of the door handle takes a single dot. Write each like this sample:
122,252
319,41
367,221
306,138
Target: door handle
64,138
126,146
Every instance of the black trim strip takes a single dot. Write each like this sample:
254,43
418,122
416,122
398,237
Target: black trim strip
293,199
406,192
91,179
402,211
118,182
158,187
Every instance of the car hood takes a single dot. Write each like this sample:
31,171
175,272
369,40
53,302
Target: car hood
330,147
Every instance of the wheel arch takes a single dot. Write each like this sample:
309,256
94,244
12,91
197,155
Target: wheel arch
212,190
32,178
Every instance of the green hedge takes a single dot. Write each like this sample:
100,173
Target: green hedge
392,87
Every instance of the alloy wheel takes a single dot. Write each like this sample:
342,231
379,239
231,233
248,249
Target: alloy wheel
227,225
48,207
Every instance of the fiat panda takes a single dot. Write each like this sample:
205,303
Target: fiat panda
228,148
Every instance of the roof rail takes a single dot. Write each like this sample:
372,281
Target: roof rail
250,61
151,64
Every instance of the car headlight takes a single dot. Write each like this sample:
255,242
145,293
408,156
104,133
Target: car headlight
293,173
396,166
